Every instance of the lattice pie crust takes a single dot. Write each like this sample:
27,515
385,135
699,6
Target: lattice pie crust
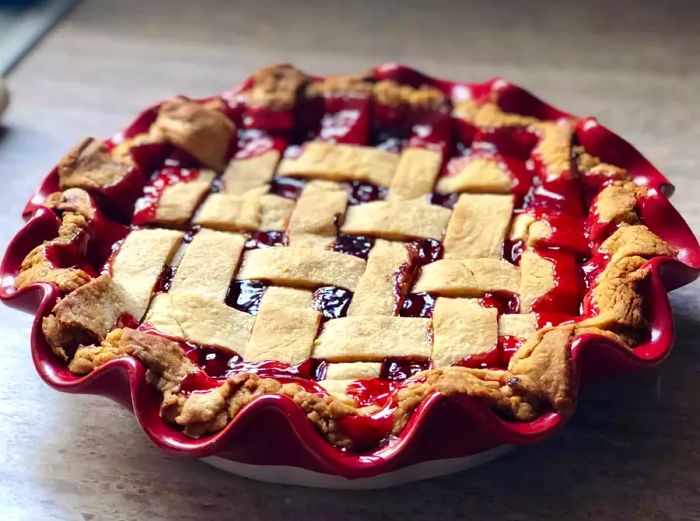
437,234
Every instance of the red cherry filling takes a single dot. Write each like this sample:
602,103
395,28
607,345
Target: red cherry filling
152,156
417,305
345,120
257,240
287,187
360,192
357,245
399,369
505,302
565,297
332,302
512,250
165,279
245,295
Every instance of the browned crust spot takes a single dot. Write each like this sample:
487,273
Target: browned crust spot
90,166
84,316
388,92
199,129
276,87
347,84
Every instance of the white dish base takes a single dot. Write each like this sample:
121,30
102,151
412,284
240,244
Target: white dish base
308,478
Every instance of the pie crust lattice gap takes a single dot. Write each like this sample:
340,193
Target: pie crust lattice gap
355,243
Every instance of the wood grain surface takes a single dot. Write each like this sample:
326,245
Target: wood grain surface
633,449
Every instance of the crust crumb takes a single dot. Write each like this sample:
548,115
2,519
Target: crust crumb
88,358
208,412
588,164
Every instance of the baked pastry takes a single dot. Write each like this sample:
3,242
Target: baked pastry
353,243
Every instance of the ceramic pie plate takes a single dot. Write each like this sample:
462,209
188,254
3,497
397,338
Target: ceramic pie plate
444,434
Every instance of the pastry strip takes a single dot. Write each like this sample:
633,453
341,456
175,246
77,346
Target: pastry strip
242,175
415,174
341,163
284,327
178,201
536,279
302,267
139,262
397,219
519,326
468,278
479,174
230,212
462,327
201,320
478,226
207,267
373,338
374,294
314,220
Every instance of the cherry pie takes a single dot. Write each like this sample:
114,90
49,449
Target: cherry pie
354,243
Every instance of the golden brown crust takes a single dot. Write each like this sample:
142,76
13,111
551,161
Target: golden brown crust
617,202
538,377
276,87
631,240
554,149
87,358
76,210
85,315
208,412
490,115
201,131
36,267
543,367
341,84
71,201
617,297
490,386
89,165
388,92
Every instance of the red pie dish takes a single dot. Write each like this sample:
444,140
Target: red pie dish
350,274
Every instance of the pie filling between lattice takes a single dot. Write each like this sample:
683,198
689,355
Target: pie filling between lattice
349,242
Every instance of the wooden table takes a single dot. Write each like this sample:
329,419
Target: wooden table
633,449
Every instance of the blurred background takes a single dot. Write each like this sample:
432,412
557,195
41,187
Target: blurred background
631,450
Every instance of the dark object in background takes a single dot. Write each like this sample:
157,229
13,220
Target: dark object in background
22,25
